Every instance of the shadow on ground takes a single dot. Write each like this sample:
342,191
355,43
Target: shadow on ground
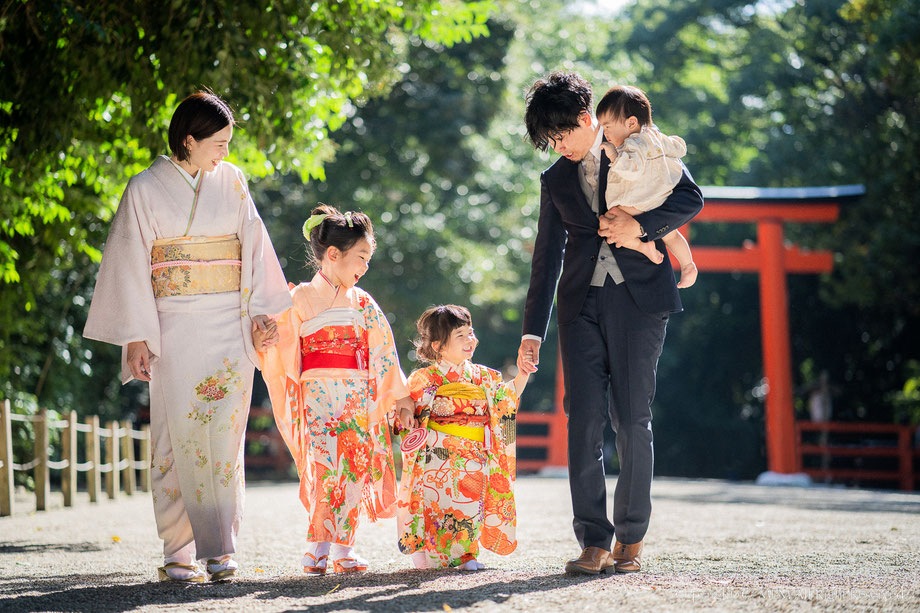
394,592
26,548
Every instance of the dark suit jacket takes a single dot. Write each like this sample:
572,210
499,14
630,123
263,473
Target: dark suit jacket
567,229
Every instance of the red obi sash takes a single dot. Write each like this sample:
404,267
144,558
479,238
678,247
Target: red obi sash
335,347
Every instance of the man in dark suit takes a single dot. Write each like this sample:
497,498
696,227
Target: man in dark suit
613,307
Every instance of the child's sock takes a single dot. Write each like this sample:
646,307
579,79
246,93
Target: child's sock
318,550
473,564
346,558
315,559
420,560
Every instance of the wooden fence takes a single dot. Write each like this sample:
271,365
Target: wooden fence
858,453
273,455
116,442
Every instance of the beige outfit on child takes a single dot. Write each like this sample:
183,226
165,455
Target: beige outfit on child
645,170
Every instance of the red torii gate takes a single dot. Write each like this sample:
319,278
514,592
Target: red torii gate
769,208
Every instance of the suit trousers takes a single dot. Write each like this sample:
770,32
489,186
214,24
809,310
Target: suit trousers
609,360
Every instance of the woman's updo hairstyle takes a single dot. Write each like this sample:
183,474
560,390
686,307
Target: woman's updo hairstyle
339,230
435,326
200,116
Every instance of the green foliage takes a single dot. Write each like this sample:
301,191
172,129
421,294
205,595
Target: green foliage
86,93
907,400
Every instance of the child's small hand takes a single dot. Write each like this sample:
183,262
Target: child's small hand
527,367
609,149
264,332
405,413
407,419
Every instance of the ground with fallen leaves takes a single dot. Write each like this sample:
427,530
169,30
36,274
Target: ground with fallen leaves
712,545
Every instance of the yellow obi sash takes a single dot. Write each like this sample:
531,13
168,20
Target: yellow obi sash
189,265
474,433
466,391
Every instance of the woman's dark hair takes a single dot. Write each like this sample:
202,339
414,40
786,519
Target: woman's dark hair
200,115
623,102
435,326
339,230
554,105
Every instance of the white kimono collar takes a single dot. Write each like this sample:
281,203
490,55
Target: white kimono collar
325,291
464,369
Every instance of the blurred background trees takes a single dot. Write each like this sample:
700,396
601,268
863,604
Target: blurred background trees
415,118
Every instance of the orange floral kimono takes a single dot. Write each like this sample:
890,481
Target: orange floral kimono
457,491
333,378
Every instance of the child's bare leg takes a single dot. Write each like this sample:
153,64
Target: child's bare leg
678,245
648,249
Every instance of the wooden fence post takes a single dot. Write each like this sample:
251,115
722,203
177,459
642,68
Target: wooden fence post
905,459
42,484
6,458
93,477
145,458
127,450
69,455
112,482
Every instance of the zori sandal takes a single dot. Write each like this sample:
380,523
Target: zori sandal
349,565
313,565
181,573
222,569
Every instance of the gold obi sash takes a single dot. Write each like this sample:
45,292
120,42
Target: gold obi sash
461,389
466,391
189,265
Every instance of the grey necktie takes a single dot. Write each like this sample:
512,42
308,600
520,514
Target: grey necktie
590,166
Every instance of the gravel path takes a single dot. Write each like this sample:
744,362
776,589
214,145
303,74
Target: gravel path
712,545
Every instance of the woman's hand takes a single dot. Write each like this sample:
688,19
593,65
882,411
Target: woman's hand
264,332
139,360
405,412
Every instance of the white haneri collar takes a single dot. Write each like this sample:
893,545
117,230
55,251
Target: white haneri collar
193,181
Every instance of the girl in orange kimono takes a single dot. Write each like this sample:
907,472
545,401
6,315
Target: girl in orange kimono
332,371
457,489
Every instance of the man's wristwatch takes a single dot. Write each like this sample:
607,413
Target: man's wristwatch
642,233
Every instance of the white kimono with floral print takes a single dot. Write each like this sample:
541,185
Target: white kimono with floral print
201,345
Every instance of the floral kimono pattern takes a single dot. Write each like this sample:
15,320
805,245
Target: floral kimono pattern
333,418
198,335
457,493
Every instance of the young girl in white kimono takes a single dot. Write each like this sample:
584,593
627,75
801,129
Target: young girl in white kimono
644,168
333,376
457,487
187,270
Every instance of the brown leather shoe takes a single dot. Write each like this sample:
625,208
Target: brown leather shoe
592,561
627,558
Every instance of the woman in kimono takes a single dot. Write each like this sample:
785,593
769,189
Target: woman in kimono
187,270
457,489
334,378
